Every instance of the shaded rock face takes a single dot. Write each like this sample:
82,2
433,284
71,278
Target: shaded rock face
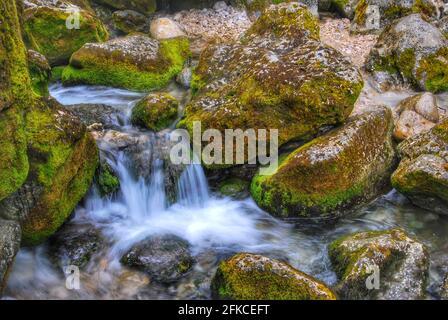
10,235
91,114
135,62
128,21
155,112
63,158
164,258
353,163
283,79
46,29
422,175
416,114
415,51
40,73
75,245
141,6
388,10
248,276
402,263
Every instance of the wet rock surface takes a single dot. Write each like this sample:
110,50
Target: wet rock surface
10,236
401,261
164,258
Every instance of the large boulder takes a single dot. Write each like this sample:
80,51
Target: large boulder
10,235
248,276
142,6
400,262
46,31
278,76
156,112
135,62
333,173
63,158
164,258
416,114
422,175
388,11
415,51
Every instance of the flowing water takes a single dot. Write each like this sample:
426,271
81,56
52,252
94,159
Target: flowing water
215,227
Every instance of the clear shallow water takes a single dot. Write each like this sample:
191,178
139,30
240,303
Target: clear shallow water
215,227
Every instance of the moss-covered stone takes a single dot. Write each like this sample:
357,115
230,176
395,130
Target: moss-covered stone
40,73
234,187
415,51
401,262
63,159
333,173
15,96
156,111
106,179
422,174
253,277
128,21
279,76
46,31
136,62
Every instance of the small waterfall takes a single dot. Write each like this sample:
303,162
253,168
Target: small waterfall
192,187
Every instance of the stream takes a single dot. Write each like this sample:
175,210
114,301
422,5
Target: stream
215,227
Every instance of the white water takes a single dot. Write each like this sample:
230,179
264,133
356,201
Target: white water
214,227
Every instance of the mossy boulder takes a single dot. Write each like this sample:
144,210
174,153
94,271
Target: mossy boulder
157,111
106,180
15,97
279,76
340,170
142,6
388,10
165,258
46,30
40,73
248,276
422,175
401,261
135,62
415,51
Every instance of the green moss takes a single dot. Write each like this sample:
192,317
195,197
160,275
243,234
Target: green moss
233,187
108,183
360,12
47,33
155,112
56,73
251,283
433,70
63,160
40,73
107,71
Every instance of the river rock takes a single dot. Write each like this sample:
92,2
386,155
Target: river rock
48,158
91,114
128,21
415,51
234,188
135,62
416,114
342,169
164,258
45,27
142,6
402,264
388,11
165,28
422,175
248,276
10,235
75,244
122,140
281,79
40,73
156,111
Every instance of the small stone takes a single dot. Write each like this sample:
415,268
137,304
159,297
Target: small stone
165,28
